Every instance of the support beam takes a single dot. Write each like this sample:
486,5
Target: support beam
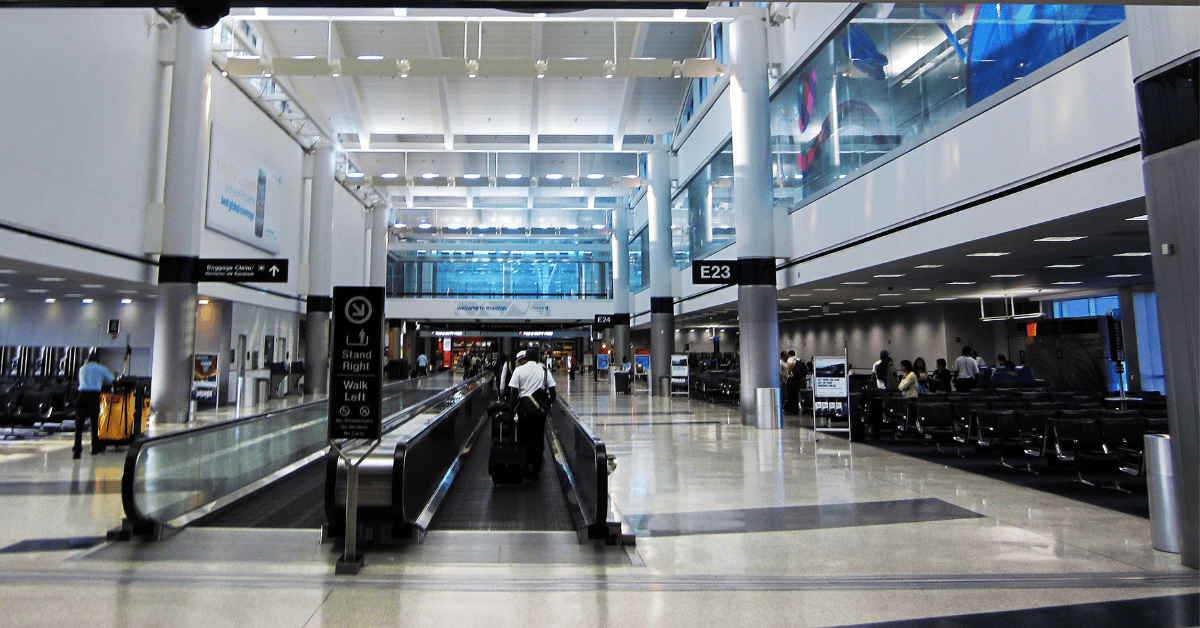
639,47
435,51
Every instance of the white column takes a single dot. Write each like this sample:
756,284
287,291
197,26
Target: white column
758,316
662,308
183,215
320,277
620,282
379,242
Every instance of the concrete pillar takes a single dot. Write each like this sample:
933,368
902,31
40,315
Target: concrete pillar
758,316
379,242
320,277
1161,41
620,283
183,215
662,308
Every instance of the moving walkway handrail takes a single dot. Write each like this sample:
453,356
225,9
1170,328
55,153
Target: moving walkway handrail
583,458
214,461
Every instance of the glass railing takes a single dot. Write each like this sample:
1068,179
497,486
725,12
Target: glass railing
167,477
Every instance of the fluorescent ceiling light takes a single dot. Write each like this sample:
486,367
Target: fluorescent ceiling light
50,279
1064,266
37,291
572,227
430,175
824,289
400,225
887,276
7,271
512,176
917,302
354,175
889,294
1006,276
891,306
1,299
862,299
370,57
390,175
594,176
51,300
598,227
126,301
920,289
1067,283
986,254
305,57
854,283
127,291
87,301
1133,254
424,225
554,176
471,176
930,266
946,298
1060,239
1142,217
1124,275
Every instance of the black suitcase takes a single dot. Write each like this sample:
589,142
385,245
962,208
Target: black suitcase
506,461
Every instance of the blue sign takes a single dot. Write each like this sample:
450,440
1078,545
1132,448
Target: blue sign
602,362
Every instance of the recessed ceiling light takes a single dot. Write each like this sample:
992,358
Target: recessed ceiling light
7,271
37,291
126,301
355,175
595,176
917,302
203,302
1064,266
390,175
888,276
73,296
598,227
51,300
891,306
1,299
862,298
1060,239
1124,275
824,289
424,225
554,176
960,283
430,175
920,289
946,298
127,291
304,57
987,254
870,309
571,227
930,266
87,301
854,283
370,57
400,225
889,294
1142,217
1133,254
1067,283
512,176
51,279
471,176
837,302
1006,276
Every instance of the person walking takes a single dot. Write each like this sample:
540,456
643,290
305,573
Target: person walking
882,369
531,392
92,377
966,369
422,365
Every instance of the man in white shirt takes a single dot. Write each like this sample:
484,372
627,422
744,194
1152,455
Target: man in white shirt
527,379
966,370
422,365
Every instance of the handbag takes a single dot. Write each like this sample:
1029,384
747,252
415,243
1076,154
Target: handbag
541,396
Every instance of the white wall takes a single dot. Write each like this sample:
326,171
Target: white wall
71,323
349,252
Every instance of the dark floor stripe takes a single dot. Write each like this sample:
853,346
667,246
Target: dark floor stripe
634,414
656,423
788,518
1172,611
83,487
53,545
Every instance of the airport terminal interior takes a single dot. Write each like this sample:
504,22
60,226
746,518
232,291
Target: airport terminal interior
854,315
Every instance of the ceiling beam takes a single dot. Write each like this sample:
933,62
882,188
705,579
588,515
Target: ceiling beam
352,90
639,46
534,97
435,51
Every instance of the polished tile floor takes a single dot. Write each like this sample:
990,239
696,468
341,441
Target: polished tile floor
737,526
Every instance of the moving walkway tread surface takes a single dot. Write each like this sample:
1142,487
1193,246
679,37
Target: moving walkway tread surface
474,503
296,500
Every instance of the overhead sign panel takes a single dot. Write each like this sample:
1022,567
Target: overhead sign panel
356,364
234,270
605,321
716,272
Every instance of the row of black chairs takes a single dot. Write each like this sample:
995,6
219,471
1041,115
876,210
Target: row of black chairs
1083,434
716,386
35,404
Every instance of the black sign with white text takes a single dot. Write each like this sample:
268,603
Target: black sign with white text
606,321
716,272
356,363
239,270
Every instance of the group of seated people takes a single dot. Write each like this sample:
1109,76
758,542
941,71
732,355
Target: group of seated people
914,377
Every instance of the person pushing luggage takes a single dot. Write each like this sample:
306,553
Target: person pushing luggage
531,392
92,377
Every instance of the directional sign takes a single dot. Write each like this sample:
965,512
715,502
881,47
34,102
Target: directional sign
356,363
716,272
605,321
242,270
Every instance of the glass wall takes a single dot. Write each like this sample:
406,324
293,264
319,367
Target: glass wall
489,275
639,255
700,88
709,201
894,70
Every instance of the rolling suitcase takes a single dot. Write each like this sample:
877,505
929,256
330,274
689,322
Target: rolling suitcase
506,461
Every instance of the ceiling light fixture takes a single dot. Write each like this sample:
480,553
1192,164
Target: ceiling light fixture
929,266
1133,254
126,301
1142,217
946,298
87,301
824,289
960,283
472,176
986,254
1060,239
1006,276
887,276
1124,275
370,57
354,175
1067,283
854,283
595,176
430,175
512,176
390,175
554,176
920,289
50,279
37,291
51,300
1064,266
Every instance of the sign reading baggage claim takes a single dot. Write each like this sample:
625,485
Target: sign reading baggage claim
356,363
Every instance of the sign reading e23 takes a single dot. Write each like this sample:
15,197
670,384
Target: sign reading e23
716,272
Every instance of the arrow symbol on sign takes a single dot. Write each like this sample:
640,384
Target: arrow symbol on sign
274,271
358,310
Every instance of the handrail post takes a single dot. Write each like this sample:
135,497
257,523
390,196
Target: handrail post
351,561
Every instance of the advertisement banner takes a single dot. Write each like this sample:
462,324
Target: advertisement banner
244,193
830,377
602,362
204,379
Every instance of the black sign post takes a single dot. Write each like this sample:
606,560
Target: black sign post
716,272
356,363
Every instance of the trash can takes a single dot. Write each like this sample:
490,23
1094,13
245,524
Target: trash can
621,379
1160,485
262,390
768,408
